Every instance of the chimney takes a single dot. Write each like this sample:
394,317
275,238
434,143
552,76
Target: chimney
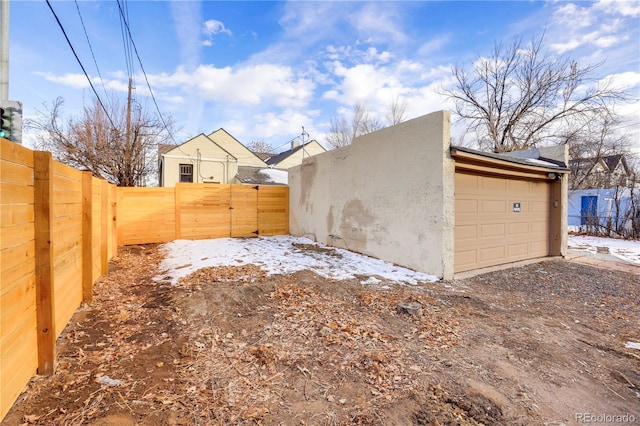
295,143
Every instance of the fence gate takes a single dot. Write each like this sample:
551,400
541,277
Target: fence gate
244,211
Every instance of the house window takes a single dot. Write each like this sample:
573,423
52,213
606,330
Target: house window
186,172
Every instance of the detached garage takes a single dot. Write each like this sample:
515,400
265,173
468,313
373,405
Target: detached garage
405,195
506,209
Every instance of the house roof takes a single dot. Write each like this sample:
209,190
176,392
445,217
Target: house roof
201,135
244,155
163,148
264,156
286,154
610,162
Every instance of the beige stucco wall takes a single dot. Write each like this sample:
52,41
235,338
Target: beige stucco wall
390,195
312,148
235,148
210,162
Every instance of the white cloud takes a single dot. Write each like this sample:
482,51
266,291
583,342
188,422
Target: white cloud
76,81
116,85
624,8
572,16
176,100
372,55
377,86
602,25
607,41
622,81
247,85
566,46
213,27
288,122
378,22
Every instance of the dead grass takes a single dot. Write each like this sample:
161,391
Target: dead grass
230,345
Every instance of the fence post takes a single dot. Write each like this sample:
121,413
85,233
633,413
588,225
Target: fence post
113,196
87,238
104,227
45,308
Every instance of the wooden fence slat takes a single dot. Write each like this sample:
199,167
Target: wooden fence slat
87,237
45,308
113,218
178,213
104,227
16,153
16,173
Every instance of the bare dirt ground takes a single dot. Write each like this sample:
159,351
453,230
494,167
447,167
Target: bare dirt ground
540,344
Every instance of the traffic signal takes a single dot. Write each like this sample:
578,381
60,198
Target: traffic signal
5,123
11,120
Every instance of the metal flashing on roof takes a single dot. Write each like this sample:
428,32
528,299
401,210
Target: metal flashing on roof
540,163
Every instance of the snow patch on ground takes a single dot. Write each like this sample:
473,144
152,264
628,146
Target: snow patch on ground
627,250
279,255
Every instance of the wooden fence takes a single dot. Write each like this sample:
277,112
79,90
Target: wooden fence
59,227
198,211
58,231
57,234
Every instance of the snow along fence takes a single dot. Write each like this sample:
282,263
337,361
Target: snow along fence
57,236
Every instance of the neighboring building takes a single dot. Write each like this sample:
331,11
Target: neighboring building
214,158
605,211
233,146
295,155
602,172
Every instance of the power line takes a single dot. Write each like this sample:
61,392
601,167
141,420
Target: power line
91,48
126,43
144,73
81,66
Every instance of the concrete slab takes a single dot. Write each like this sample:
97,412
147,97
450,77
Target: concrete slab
602,260
475,272
599,260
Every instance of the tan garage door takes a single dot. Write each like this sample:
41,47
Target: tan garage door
499,220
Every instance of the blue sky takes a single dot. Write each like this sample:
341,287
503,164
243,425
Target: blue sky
261,70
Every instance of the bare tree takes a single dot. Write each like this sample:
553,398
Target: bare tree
343,131
260,146
591,143
99,142
521,96
397,111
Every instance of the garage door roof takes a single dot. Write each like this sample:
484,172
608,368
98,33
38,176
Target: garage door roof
500,164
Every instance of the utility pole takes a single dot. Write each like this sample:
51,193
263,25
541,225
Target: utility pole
128,135
4,50
129,148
